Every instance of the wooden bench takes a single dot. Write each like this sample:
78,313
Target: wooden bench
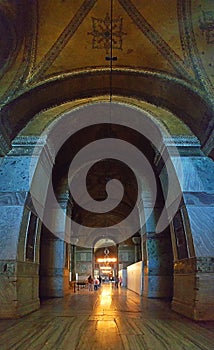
77,284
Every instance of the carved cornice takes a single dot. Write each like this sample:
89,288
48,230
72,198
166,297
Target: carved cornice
27,145
177,146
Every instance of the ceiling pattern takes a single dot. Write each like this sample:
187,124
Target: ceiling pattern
62,40
107,33
35,64
166,45
154,37
47,40
190,47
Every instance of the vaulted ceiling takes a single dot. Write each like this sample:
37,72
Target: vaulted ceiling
45,38
56,52
158,51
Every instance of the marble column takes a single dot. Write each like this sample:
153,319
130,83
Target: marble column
52,261
158,268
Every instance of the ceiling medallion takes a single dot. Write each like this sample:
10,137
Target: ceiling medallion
106,30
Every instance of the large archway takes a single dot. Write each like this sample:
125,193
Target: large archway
41,183
158,89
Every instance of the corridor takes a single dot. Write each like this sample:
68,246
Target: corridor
105,319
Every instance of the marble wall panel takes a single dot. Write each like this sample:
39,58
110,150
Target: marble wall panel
16,173
8,290
27,268
10,221
19,286
12,198
25,287
190,179
39,186
204,167
199,199
202,226
195,174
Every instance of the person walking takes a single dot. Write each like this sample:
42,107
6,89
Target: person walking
120,281
96,283
116,281
90,283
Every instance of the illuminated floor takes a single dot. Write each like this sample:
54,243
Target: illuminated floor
106,319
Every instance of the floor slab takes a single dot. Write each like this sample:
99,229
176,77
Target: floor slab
105,319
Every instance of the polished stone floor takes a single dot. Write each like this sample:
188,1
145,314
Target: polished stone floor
105,319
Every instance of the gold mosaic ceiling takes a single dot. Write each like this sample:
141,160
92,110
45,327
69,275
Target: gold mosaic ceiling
47,40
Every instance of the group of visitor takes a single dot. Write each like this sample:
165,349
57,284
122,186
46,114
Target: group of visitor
94,283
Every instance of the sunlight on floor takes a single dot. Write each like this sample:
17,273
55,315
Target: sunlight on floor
106,296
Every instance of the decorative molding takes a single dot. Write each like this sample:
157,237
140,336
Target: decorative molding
27,145
182,141
34,146
183,146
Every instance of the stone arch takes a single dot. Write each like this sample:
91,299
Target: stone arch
156,88
47,154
